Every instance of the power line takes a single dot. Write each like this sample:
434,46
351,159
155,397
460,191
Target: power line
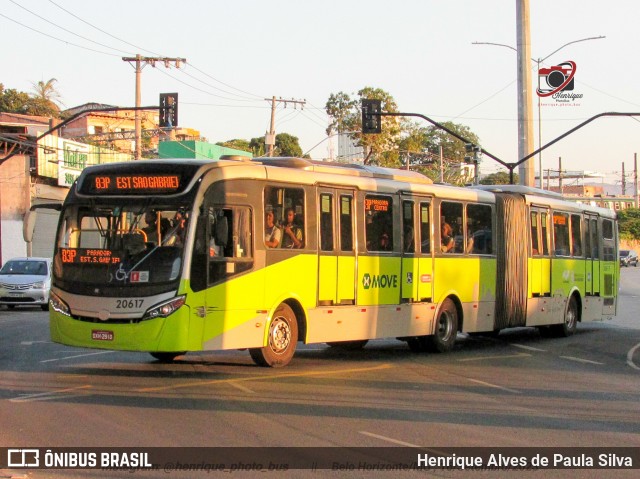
99,29
58,39
65,29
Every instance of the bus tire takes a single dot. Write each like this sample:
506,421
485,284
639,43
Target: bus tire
167,357
349,345
570,323
446,331
281,341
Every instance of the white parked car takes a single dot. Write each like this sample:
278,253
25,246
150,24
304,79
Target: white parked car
26,282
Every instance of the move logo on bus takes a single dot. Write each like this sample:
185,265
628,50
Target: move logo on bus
379,281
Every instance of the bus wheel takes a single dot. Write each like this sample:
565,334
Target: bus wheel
281,342
349,345
570,324
446,328
166,357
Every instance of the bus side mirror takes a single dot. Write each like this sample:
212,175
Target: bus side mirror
28,225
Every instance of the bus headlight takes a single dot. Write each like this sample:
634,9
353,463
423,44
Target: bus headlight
164,309
58,305
38,285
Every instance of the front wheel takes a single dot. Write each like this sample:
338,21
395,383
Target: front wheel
281,341
444,336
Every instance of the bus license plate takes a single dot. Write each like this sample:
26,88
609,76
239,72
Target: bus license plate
100,335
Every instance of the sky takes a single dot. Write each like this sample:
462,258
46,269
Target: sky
240,53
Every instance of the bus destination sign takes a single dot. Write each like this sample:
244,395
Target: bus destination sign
85,255
114,183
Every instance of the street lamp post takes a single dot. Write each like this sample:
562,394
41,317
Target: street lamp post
538,62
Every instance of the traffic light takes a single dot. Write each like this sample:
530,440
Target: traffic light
371,118
168,110
474,152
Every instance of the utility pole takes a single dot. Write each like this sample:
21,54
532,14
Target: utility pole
270,137
635,179
560,174
139,63
525,125
624,181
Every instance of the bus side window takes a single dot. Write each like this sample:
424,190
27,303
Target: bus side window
346,223
544,229
326,222
576,235
378,211
479,229
535,245
561,234
425,229
408,239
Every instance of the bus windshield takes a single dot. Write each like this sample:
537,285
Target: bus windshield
120,245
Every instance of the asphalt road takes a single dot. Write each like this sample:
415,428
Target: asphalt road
516,390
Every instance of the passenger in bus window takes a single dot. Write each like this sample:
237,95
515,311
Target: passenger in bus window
385,244
292,233
409,246
151,230
272,233
177,232
446,236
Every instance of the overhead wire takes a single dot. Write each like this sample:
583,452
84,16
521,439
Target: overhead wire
101,30
234,96
66,29
56,38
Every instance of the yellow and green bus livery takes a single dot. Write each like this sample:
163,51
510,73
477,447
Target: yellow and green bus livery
171,256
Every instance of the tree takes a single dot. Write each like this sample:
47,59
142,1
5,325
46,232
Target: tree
43,100
629,223
346,117
237,144
499,178
13,101
285,145
419,147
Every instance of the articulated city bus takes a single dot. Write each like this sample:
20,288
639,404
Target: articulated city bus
171,256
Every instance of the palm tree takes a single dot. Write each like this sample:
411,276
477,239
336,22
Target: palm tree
46,91
44,100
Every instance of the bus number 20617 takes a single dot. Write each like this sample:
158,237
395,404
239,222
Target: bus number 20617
128,303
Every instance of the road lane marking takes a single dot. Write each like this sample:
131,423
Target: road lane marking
31,343
494,386
580,360
389,439
50,395
482,358
76,356
241,387
528,348
265,377
630,356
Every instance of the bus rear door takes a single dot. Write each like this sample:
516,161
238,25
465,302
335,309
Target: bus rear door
336,251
